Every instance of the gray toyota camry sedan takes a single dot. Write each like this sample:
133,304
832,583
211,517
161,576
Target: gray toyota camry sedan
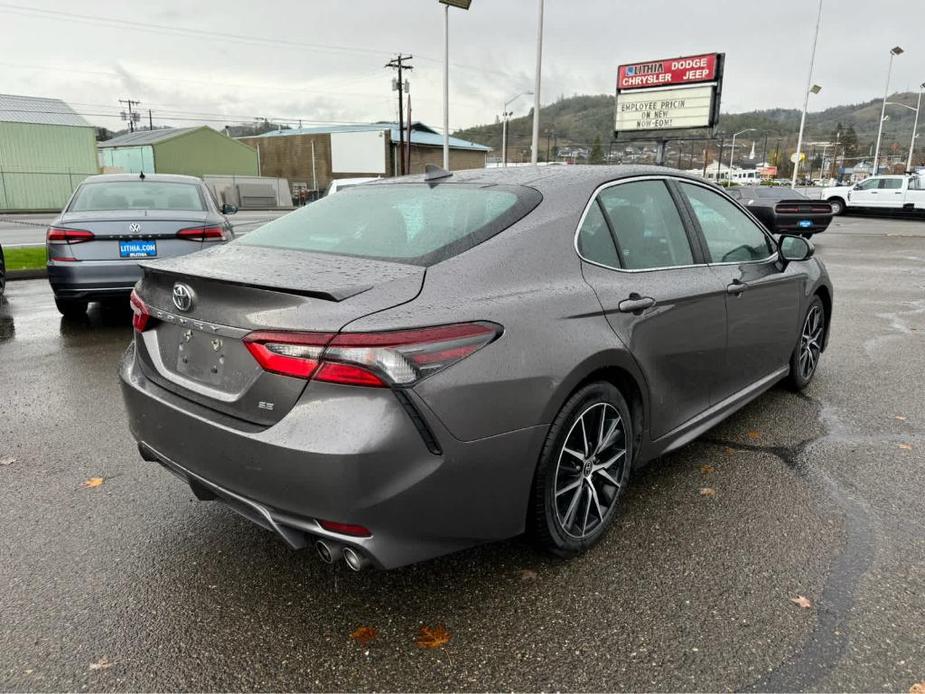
422,364
114,220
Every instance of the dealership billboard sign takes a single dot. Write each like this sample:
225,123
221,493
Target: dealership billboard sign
674,94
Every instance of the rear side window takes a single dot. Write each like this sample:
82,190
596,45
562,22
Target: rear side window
594,240
730,235
647,225
138,195
409,222
891,183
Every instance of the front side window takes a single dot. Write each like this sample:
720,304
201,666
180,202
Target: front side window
730,235
138,195
647,225
409,222
869,184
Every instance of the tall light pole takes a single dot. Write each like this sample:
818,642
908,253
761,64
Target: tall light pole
896,50
536,86
915,127
505,114
733,150
810,87
463,5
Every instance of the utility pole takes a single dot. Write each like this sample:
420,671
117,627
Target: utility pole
150,120
536,87
810,88
131,116
397,63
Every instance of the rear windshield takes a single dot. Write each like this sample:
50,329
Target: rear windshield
138,195
405,222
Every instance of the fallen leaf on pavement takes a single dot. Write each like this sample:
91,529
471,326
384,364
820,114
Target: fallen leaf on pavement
91,483
729,450
528,575
917,688
707,469
708,491
754,435
101,664
8,460
900,418
905,446
433,637
801,601
363,635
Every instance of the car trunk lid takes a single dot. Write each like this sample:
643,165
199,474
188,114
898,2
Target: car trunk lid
234,290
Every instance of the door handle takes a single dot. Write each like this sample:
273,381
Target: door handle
736,288
636,304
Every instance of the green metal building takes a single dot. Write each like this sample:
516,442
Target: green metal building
198,151
46,150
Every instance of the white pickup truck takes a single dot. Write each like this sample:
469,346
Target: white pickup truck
898,193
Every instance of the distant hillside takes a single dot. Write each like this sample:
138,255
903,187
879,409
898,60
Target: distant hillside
579,120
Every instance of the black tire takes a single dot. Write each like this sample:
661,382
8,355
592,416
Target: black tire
2,273
838,206
800,376
549,520
71,308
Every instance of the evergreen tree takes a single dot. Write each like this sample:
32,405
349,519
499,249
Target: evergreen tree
597,152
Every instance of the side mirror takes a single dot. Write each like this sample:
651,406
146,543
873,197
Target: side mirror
795,248
228,208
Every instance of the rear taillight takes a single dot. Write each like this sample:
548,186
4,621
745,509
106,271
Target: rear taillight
787,209
58,235
397,357
207,233
140,314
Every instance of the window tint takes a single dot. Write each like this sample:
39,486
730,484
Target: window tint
891,183
413,223
138,195
594,239
647,225
730,235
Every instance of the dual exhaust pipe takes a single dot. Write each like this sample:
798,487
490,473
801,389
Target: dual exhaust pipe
331,552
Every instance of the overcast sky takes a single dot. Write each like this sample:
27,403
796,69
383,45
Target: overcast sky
323,60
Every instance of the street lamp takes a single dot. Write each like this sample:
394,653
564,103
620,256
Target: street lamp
536,86
915,126
810,88
463,5
896,50
505,114
733,148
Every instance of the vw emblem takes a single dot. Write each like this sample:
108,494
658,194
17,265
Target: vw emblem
182,297
134,227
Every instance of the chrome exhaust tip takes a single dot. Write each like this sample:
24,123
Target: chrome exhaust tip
354,559
328,552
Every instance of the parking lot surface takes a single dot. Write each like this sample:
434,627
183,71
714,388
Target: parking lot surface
134,585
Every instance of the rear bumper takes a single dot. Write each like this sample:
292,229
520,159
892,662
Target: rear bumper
342,454
88,279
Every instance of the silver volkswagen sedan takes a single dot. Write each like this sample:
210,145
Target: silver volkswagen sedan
418,365
113,221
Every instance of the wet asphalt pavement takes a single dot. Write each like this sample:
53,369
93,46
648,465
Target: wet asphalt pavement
818,495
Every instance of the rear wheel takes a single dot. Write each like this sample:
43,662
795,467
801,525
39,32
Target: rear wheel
2,273
71,308
805,357
838,205
584,468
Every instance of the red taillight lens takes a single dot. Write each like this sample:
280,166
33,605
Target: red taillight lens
209,233
397,357
345,528
140,314
288,354
56,235
787,209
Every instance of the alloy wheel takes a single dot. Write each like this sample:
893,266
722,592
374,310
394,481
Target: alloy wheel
811,342
590,470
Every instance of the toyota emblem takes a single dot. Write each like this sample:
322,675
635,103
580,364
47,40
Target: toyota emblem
182,297
134,227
